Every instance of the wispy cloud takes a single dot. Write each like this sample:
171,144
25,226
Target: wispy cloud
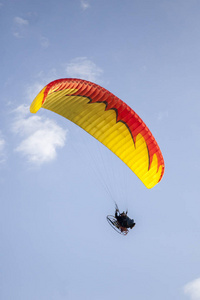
42,78
192,289
39,137
83,68
21,21
33,90
20,25
162,115
85,4
44,42
2,148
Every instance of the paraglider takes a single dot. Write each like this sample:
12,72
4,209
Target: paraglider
121,222
108,119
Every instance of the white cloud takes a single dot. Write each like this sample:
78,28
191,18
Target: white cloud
21,22
192,289
85,4
40,137
83,68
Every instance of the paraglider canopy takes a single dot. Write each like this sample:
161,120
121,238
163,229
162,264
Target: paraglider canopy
108,119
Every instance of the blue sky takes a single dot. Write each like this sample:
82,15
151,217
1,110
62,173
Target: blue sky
55,241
